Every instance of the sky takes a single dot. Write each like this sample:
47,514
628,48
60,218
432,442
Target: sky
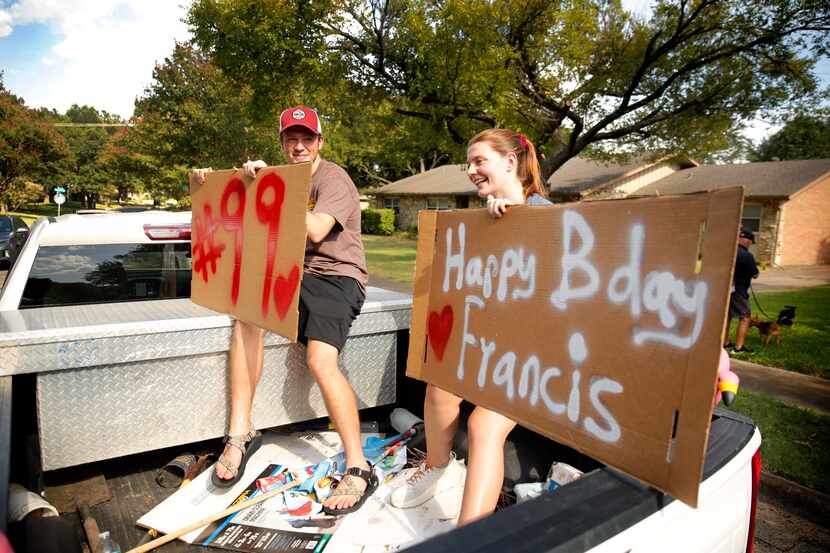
102,52
97,52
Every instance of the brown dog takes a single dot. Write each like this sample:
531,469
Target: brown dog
767,329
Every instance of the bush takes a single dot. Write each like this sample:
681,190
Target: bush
378,221
411,232
21,192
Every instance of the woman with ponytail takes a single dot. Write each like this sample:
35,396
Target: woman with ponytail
502,164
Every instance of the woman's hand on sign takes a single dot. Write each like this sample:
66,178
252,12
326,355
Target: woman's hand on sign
497,206
197,176
251,167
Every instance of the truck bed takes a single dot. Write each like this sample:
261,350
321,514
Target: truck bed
574,518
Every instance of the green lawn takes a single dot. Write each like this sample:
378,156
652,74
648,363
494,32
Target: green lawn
31,212
390,257
805,347
796,442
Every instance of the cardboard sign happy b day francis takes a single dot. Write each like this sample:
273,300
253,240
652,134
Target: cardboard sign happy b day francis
597,324
248,240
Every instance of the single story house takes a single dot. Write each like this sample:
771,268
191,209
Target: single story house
447,187
588,179
786,204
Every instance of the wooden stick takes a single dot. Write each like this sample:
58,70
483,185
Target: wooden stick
207,520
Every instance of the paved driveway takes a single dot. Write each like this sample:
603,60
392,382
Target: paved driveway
792,277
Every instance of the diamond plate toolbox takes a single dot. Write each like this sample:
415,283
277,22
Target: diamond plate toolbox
118,379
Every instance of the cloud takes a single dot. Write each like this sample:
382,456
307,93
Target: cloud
106,51
758,129
5,23
47,61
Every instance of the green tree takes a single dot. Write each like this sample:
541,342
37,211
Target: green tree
193,115
30,148
83,129
802,137
575,75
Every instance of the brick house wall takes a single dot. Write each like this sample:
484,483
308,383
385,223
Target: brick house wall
409,206
766,237
804,233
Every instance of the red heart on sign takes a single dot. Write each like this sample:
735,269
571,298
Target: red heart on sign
284,289
440,328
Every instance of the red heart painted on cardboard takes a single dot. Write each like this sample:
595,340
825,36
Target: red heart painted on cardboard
284,289
440,328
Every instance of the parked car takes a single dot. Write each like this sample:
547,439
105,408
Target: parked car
10,227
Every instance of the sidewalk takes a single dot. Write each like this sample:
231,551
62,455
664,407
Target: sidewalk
792,277
805,391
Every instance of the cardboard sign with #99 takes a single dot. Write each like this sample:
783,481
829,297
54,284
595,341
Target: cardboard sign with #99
597,324
248,240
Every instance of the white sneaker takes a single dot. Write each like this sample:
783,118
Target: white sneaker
422,483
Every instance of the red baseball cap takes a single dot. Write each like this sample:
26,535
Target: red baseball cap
301,116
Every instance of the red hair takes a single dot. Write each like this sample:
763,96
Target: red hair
505,141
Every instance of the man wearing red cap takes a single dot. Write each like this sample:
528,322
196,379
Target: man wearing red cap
331,296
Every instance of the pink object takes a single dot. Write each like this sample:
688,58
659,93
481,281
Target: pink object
727,386
5,546
268,482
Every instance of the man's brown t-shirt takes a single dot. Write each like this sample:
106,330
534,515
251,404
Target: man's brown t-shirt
340,253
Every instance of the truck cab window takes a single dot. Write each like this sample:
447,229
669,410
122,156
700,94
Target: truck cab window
99,273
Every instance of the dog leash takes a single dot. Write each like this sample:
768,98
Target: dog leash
758,304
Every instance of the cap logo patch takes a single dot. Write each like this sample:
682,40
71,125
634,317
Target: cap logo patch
298,114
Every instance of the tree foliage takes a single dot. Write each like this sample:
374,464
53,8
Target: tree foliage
802,137
30,148
575,75
193,115
82,173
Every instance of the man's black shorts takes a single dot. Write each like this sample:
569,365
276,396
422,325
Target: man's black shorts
328,305
739,306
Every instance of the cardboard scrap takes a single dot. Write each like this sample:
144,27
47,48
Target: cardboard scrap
258,224
200,498
262,527
597,324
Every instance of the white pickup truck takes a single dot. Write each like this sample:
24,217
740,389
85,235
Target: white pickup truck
96,308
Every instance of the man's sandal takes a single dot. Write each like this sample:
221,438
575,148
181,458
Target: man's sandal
247,444
347,487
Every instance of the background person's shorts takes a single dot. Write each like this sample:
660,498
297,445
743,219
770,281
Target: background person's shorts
739,306
328,305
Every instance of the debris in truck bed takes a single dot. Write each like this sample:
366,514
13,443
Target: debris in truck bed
90,491
294,521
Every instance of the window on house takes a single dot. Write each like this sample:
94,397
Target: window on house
751,217
392,203
438,203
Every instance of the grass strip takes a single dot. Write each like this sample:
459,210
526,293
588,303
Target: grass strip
796,442
805,346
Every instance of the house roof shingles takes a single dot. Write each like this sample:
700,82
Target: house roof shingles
771,179
575,176
579,175
444,180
